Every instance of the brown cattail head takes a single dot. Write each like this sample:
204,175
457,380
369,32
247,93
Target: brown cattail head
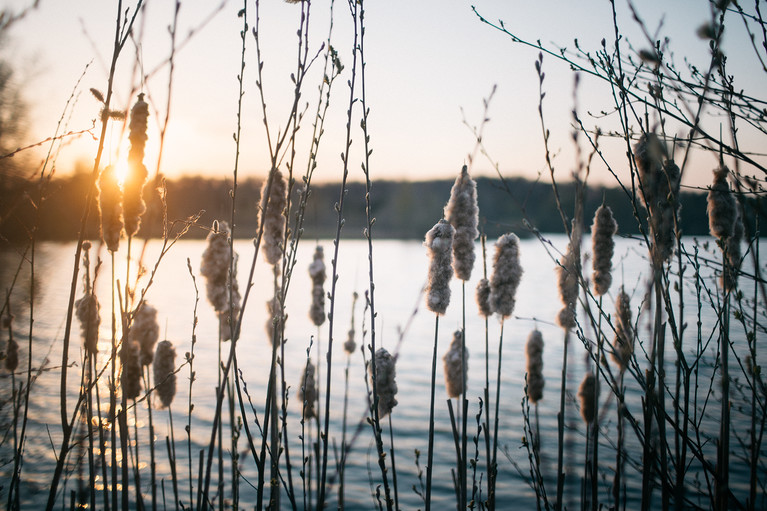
274,217
722,209
568,270
275,321
317,273
164,375
145,331
507,272
623,344
483,298
603,245
535,380
455,378
11,355
350,345
385,384
87,310
463,214
586,395
131,369
659,179
439,241
215,269
307,391
110,206
729,277
133,202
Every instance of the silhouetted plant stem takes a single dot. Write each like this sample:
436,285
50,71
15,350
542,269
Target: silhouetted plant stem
430,455
493,475
561,416
723,448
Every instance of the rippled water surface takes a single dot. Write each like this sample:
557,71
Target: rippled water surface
400,273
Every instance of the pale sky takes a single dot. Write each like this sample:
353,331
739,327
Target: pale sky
426,61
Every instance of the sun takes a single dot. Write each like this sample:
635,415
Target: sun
121,171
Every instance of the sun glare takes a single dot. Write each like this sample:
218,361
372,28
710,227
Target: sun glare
121,171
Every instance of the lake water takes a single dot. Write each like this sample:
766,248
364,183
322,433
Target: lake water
400,273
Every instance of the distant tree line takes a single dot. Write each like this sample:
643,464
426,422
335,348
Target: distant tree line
403,209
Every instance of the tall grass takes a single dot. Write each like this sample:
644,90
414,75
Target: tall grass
651,386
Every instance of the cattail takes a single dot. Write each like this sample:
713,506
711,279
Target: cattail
110,198
385,384
483,298
274,219
350,345
567,279
145,331
623,344
535,380
725,223
11,355
307,392
164,374
133,202
507,273
275,320
215,269
602,232
439,241
659,178
131,375
317,273
87,311
463,214
455,382
586,396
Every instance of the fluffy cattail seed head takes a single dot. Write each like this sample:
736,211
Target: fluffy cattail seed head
164,375
215,269
507,272
350,345
110,205
623,344
275,321
133,202
317,273
385,384
729,277
586,395
11,355
483,298
439,241
145,331
568,270
603,245
274,217
463,214
131,369
722,209
87,310
307,391
535,380
455,378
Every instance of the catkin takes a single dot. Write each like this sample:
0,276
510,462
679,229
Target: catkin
385,384
87,310
131,369
463,214
164,374
659,178
215,269
274,217
623,344
586,396
317,274
603,245
133,202
567,280
145,331
483,298
439,241
307,391
110,207
507,273
455,379
535,380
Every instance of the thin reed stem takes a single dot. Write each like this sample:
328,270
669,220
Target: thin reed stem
430,455
561,415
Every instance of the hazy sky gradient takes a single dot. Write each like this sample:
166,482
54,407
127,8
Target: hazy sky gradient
426,61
